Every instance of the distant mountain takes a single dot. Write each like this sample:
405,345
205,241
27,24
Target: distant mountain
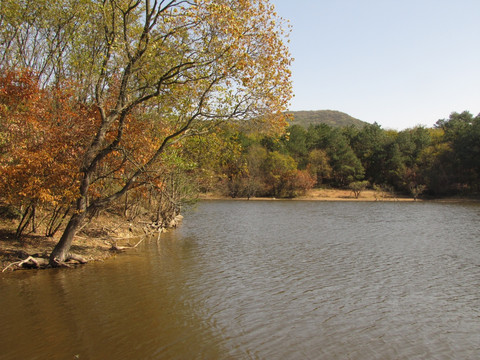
330,117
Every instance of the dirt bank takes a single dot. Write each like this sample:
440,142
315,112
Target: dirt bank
103,237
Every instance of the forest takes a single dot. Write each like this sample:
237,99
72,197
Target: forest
431,162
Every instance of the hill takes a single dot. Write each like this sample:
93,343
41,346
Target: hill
330,117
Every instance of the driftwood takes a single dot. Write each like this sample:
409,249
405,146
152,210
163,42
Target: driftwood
116,247
32,262
148,230
29,262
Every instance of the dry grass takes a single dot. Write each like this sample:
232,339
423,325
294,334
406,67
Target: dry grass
329,195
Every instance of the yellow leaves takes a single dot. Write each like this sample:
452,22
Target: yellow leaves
221,59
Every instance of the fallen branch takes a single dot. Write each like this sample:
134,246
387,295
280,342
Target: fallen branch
40,262
115,247
31,261
16,263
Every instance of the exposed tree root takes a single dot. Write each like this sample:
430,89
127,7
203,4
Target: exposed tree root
28,260
77,258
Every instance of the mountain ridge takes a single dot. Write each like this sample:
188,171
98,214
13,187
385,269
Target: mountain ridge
333,118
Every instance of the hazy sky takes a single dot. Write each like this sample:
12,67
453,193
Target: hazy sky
399,63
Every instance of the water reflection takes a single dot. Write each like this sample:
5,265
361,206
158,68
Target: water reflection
265,280
115,310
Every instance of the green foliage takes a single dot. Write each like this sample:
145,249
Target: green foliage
411,143
357,187
435,161
370,145
345,165
295,144
319,165
462,156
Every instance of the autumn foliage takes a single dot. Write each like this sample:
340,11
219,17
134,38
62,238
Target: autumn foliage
114,89
42,132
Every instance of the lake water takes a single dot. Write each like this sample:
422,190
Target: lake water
265,280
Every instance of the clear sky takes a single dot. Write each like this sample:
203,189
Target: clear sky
399,63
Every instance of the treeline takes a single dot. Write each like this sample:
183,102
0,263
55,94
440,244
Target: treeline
438,161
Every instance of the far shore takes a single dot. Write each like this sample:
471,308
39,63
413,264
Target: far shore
323,195
344,195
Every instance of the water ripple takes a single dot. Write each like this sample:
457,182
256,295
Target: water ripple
266,280
356,281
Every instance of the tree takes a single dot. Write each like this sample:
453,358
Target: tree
345,165
318,165
411,143
233,165
357,187
462,131
256,158
370,146
434,164
173,67
42,132
295,144
280,172
416,190
303,181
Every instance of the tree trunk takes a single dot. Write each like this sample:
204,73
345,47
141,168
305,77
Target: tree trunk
61,251
24,221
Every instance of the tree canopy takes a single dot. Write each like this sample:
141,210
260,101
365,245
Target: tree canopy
149,73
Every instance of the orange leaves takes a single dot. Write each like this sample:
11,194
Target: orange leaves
44,132
152,78
16,87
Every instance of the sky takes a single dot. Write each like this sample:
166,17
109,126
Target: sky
399,63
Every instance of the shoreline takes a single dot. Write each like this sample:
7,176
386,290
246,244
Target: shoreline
105,237
109,235
321,195
344,196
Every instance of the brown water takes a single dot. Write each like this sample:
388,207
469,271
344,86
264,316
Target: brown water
265,280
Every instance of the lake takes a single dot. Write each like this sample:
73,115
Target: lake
265,280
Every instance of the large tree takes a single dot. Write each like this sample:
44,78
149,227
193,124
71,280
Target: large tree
173,68
345,166
462,135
